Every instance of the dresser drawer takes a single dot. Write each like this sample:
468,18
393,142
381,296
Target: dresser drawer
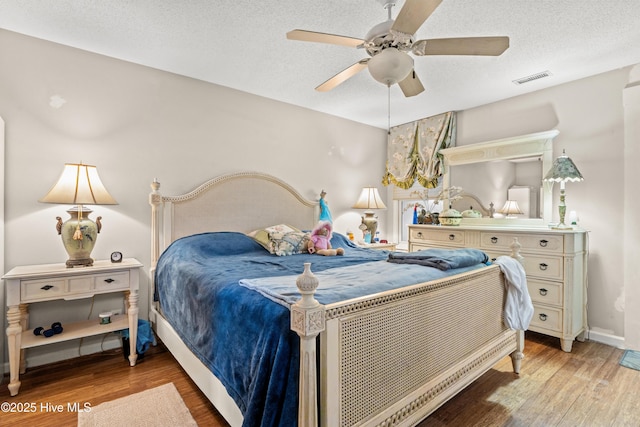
33,290
541,243
544,267
112,281
440,237
547,318
548,292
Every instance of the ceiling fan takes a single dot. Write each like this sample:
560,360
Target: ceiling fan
389,43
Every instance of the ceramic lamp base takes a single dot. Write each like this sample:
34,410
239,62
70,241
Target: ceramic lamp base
371,223
79,235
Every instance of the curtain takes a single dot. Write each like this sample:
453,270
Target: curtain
413,151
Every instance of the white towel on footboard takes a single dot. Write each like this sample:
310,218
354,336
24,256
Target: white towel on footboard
518,308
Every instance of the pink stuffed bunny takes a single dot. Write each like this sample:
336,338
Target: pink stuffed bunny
320,242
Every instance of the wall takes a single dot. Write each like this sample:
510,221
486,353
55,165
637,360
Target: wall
589,114
136,124
631,208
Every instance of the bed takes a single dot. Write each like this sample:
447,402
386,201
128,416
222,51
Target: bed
388,355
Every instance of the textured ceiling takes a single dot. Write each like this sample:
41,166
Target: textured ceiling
241,44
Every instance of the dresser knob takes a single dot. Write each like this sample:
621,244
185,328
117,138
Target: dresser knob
494,240
46,287
543,243
109,280
452,236
543,292
542,317
543,266
419,234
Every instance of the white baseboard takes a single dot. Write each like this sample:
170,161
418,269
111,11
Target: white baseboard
605,338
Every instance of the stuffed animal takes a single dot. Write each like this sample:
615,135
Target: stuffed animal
320,241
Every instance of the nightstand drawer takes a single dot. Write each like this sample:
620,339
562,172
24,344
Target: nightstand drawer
545,292
112,282
546,318
541,243
80,284
41,289
438,236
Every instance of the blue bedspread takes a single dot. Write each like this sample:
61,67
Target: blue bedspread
245,338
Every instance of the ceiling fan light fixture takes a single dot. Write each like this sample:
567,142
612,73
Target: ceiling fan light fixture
390,66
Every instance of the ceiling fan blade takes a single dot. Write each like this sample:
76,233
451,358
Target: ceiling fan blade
411,85
343,75
489,46
413,14
312,36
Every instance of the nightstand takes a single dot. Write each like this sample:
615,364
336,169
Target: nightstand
384,246
37,283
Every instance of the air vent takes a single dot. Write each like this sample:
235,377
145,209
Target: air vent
532,77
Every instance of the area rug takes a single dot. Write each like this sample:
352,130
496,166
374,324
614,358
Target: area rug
157,407
631,359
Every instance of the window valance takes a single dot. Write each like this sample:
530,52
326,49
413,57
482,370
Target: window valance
413,150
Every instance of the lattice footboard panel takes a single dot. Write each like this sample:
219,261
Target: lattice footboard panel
391,345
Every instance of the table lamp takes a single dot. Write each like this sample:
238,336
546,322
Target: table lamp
511,209
563,170
79,185
369,199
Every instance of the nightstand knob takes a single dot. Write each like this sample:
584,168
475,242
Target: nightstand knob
109,280
543,266
543,291
419,234
542,317
494,240
543,243
452,236
46,287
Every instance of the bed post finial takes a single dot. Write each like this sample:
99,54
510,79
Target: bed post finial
307,320
518,355
155,200
515,251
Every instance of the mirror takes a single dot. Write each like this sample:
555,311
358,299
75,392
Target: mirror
511,167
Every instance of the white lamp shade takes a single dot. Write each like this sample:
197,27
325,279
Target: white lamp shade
390,66
369,199
511,208
79,185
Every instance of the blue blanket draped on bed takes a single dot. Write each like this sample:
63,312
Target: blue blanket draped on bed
245,338
442,259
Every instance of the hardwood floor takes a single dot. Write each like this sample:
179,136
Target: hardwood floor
584,388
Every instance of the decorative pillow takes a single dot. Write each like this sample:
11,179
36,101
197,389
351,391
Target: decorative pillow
291,243
281,239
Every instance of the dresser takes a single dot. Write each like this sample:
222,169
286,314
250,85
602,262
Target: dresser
554,260
31,284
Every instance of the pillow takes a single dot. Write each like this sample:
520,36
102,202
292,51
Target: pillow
221,243
291,243
281,239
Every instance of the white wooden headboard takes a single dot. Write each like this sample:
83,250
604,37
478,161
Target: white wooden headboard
243,202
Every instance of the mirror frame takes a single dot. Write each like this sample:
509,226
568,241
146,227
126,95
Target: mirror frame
538,144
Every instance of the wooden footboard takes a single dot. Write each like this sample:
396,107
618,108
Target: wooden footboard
393,358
